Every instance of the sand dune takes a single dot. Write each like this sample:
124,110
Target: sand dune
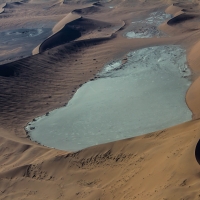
172,9
160,165
61,24
74,27
88,10
2,6
122,170
192,96
184,20
59,30
180,18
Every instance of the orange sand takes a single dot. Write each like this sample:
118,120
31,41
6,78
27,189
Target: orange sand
155,166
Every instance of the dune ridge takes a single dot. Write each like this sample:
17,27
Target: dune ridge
192,96
64,32
2,6
88,10
181,15
158,165
180,18
173,9
58,29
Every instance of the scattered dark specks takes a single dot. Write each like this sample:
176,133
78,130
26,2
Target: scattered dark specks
183,183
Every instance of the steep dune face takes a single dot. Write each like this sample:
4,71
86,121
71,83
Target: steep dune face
67,19
2,6
59,32
172,9
20,83
158,165
66,35
75,27
184,20
45,1
193,96
193,57
151,166
180,18
88,10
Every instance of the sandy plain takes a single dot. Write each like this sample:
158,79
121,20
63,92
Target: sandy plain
158,165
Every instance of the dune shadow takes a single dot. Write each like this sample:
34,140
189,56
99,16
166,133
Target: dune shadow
66,35
8,71
180,18
197,152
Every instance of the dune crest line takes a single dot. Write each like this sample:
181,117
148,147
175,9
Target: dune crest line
154,166
2,6
63,33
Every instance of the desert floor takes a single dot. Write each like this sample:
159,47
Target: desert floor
48,50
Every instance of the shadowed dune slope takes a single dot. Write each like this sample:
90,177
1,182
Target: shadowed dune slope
44,1
71,31
45,76
13,4
155,166
193,98
87,10
197,152
122,170
2,6
67,19
180,18
66,35
59,31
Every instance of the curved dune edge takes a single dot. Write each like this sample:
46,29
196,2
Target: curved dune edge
173,10
154,166
69,18
57,28
62,29
2,6
180,17
124,168
88,10
193,94
44,1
